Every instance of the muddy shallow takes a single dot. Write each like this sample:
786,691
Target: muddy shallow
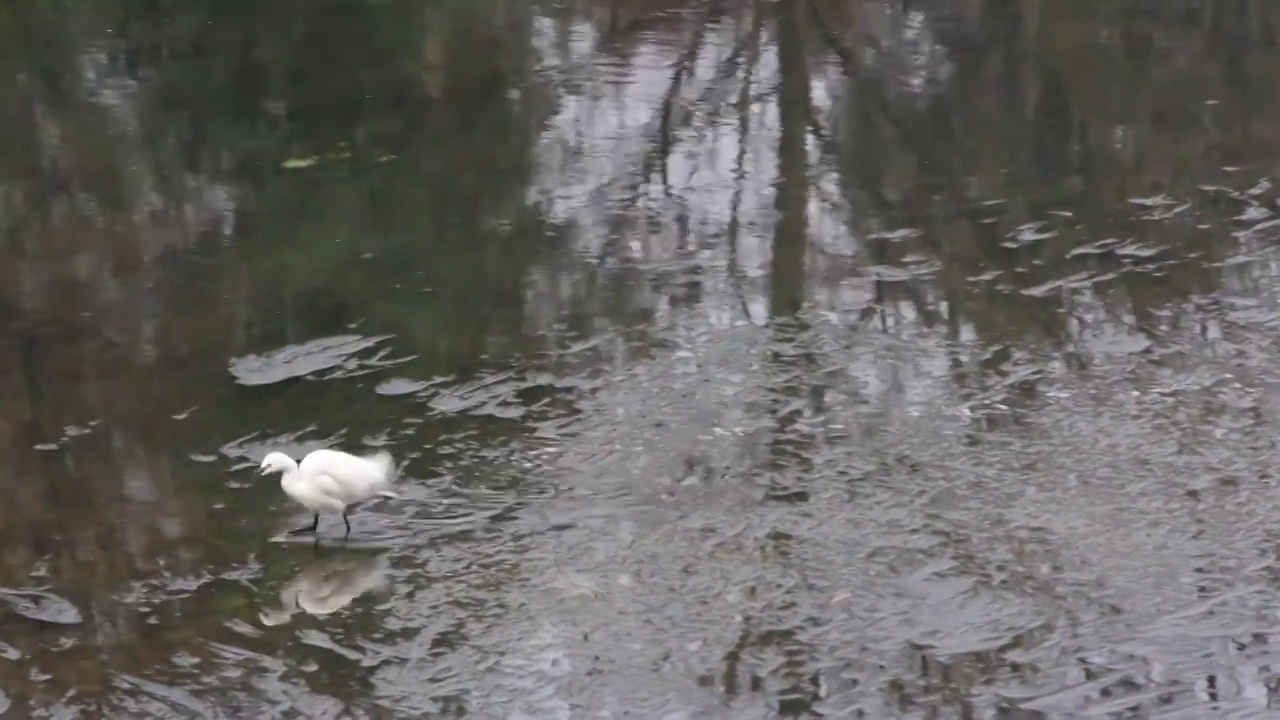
749,360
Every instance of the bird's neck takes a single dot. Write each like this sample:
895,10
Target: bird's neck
289,476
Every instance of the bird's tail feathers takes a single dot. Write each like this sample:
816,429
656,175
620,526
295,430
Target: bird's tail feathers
390,473
387,465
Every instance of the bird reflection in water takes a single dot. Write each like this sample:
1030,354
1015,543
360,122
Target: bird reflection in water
328,584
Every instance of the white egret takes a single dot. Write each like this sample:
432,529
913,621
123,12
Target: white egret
332,481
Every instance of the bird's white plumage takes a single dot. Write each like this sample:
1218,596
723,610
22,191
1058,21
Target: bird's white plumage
330,480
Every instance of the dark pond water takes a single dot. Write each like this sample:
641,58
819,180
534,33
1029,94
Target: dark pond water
881,359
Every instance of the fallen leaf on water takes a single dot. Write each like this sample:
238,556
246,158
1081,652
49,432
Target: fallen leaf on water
296,163
299,360
42,606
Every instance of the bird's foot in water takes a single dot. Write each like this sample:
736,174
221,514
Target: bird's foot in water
307,529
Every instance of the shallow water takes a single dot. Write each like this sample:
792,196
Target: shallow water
749,360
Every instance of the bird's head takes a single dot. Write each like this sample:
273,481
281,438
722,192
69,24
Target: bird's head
276,462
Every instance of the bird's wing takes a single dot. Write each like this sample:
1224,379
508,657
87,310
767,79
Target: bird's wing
357,477
329,486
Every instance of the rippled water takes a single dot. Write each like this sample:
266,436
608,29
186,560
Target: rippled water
749,360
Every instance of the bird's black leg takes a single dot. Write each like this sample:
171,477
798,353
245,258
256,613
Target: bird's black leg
347,522
315,523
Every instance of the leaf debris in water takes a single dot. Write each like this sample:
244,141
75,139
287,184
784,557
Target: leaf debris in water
297,163
42,606
300,360
400,386
306,162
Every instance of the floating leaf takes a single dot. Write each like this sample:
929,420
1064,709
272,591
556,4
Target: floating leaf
42,606
400,386
299,360
297,163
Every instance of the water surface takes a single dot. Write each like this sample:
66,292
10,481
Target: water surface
748,360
